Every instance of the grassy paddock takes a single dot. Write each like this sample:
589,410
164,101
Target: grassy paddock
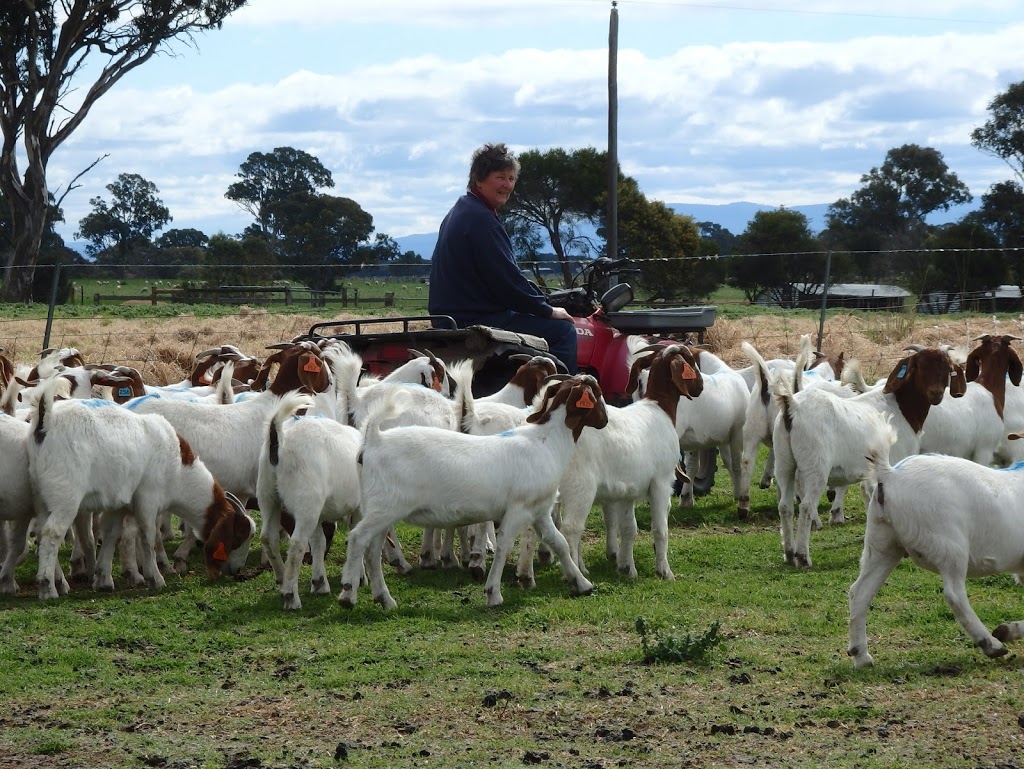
217,675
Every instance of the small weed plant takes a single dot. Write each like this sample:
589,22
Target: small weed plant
667,645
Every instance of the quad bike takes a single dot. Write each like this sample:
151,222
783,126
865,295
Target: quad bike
602,331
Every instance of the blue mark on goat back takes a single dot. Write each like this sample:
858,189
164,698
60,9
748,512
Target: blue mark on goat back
136,401
96,403
1016,466
124,392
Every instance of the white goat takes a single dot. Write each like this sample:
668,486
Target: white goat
307,469
434,477
762,409
950,516
16,506
634,457
715,420
822,440
87,456
228,438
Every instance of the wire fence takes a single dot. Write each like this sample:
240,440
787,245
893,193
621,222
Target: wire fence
142,315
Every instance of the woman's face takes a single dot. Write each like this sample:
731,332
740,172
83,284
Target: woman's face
497,187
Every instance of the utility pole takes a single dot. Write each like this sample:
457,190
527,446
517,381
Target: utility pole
613,134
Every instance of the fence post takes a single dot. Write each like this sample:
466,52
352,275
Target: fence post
53,303
344,296
152,295
824,297
389,298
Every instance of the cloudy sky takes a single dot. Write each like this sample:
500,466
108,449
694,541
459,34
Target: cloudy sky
778,102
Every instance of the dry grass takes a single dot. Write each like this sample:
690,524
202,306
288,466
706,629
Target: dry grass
164,349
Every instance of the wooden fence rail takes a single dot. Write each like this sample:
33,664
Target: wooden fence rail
253,295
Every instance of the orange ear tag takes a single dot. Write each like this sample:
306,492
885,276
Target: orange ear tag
585,402
688,372
312,365
221,553
435,383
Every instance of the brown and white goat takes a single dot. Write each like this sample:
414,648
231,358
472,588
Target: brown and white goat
821,439
433,477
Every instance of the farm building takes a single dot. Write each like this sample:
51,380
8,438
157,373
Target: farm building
851,296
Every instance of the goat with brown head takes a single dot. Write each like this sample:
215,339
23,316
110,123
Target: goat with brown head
583,400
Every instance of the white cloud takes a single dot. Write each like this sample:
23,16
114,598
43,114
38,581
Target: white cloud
776,121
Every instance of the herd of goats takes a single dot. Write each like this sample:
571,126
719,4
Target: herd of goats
92,455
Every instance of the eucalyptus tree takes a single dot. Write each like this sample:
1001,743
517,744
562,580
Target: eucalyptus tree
49,51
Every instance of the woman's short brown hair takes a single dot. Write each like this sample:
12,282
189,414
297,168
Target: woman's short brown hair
488,159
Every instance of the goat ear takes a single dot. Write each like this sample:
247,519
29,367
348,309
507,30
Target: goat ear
957,381
974,362
584,408
312,372
687,378
634,372
1015,370
899,375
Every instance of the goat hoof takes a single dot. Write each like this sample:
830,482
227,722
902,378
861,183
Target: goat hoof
764,484
401,567
319,586
180,567
428,563
860,659
802,562
582,587
526,582
387,603
545,558
346,601
477,573
1003,633
628,571
291,601
494,597
993,650
665,574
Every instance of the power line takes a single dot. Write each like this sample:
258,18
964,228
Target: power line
803,12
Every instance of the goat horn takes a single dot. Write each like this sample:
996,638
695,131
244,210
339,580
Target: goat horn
914,348
281,346
417,354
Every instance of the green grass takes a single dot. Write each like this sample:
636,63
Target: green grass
215,675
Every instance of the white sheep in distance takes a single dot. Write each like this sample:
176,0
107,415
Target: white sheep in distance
434,477
949,515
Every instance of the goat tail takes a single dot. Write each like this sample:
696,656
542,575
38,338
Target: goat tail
347,367
45,394
290,403
882,437
464,405
761,367
854,377
225,389
383,411
803,362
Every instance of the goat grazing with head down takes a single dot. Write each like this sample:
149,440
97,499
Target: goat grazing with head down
87,456
434,477
821,439
948,515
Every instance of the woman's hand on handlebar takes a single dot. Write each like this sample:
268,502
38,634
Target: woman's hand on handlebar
559,313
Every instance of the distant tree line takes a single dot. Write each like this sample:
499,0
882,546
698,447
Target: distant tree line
558,211
879,234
